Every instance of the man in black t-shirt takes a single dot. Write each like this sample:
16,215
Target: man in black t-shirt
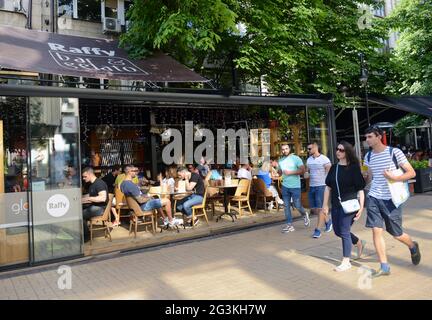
195,183
111,177
95,201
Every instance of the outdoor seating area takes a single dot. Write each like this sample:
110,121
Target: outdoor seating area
225,206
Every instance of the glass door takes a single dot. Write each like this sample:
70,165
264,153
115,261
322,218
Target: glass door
14,226
55,178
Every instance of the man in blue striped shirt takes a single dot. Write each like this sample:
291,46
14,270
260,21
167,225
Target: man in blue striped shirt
381,160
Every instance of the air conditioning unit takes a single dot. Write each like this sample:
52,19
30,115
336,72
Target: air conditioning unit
111,25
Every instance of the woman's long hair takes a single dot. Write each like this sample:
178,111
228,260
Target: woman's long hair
350,155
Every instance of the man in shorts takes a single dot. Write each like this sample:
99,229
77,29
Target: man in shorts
380,208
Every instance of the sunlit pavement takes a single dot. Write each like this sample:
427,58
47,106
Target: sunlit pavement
260,263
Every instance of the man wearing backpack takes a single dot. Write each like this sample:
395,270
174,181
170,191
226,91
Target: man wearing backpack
381,160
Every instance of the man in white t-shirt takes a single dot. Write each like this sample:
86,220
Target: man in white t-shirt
244,172
318,165
380,208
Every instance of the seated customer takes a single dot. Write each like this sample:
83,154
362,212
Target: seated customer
244,172
195,183
264,174
110,181
168,177
119,179
95,201
130,189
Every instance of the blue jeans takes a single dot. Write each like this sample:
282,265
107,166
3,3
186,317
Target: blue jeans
342,223
151,205
316,197
89,212
185,205
295,193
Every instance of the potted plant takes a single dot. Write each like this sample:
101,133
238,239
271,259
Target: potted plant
423,176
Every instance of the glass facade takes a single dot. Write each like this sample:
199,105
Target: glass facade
40,180
55,178
14,205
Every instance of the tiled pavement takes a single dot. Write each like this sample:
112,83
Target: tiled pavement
258,263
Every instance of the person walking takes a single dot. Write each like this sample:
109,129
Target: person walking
345,182
380,207
318,165
291,166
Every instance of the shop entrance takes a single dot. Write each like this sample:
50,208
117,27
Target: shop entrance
14,184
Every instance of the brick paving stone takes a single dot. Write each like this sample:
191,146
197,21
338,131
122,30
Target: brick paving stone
258,263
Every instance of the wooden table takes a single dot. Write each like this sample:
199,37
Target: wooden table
227,187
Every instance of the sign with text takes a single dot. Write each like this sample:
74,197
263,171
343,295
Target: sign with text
53,53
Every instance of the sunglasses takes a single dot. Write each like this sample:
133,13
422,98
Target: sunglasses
340,150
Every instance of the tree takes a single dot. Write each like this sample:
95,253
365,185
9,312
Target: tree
301,46
412,61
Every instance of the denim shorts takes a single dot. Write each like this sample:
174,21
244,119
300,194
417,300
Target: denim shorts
380,212
151,205
316,197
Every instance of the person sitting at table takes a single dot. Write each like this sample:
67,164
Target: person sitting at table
244,172
203,167
193,168
119,179
194,183
168,177
274,168
110,179
131,189
95,201
264,174
214,173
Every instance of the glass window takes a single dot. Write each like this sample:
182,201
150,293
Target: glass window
289,127
14,207
65,7
55,178
89,10
318,129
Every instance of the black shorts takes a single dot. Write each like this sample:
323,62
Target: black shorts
381,211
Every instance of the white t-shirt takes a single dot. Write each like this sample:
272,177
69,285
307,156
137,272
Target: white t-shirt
170,182
244,174
378,163
316,167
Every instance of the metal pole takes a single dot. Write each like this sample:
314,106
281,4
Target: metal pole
367,105
356,133
430,136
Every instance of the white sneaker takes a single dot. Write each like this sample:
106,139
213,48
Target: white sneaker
280,202
270,206
166,222
306,219
343,267
288,228
176,222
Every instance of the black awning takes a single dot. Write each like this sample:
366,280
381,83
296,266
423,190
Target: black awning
53,53
414,104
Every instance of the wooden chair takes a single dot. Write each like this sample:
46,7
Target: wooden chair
121,204
213,196
241,196
138,213
262,193
94,221
200,207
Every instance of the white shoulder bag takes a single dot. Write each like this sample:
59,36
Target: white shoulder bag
399,189
349,206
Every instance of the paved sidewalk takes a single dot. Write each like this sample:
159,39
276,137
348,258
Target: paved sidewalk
260,263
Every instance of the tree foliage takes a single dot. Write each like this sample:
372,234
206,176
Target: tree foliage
301,46
412,61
